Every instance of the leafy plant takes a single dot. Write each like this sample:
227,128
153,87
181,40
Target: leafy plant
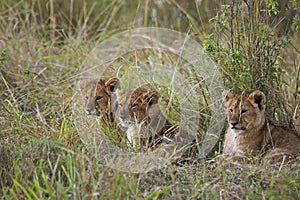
245,46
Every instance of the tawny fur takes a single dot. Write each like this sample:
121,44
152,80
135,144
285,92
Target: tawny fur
146,126
249,133
98,96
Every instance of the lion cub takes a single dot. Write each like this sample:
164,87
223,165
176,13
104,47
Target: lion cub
249,133
99,98
146,126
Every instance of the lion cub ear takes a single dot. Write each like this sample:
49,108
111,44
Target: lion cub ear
258,99
112,84
151,97
227,94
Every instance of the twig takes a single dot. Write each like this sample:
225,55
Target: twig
9,90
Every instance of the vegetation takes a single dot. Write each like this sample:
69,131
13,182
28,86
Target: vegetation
42,46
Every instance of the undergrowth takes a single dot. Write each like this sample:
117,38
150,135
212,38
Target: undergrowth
247,48
42,46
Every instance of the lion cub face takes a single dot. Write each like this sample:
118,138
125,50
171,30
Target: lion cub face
245,111
135,105
97,95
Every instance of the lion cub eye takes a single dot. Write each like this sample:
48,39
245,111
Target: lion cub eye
243,111
98,98
133,105
230,110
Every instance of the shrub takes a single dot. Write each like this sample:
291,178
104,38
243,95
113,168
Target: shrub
246,47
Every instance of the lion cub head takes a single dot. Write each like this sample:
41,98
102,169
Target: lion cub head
135,105
139,114
98,95
245,111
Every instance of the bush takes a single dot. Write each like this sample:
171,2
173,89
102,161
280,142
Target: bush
246,47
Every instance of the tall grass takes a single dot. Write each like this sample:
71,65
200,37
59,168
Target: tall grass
42,46
246,46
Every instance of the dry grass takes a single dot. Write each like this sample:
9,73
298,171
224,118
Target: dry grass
42,46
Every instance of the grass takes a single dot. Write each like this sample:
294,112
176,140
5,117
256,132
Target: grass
42,47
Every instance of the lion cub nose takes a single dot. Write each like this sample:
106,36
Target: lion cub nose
233,123
122,116
90,111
